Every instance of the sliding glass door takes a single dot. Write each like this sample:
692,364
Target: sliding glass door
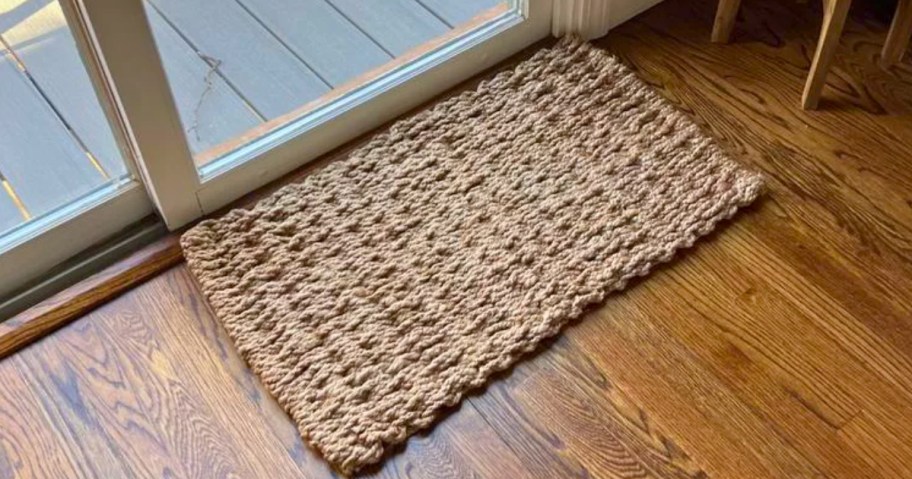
186,105
66,180
240,69
259,87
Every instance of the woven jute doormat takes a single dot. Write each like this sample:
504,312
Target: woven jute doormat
385,286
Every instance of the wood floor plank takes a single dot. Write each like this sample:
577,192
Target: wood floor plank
30,443
775,384
211,417
234,398
397,25
462,444
659,373
835,171
68,305
540,450
832,177
37,32
132,398
10,216
90,394
847,183
330,44
38,157
886,454
823,355
210,111
257,64
566,415
456,13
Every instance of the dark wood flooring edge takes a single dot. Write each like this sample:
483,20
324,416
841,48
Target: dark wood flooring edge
73,302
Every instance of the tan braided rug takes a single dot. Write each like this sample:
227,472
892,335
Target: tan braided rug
385,286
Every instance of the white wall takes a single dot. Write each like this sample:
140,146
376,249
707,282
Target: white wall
593,18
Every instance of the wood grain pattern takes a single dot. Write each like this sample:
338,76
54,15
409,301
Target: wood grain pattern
565,415
885,456
448,451
780,347
30,440
772,367
44,318
682,395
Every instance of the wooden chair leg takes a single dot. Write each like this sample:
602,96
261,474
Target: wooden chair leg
900,33
725,20
834,17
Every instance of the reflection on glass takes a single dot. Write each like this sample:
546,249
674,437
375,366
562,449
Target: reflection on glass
55,142
239,68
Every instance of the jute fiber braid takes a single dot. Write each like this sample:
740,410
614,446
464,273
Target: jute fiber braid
385,286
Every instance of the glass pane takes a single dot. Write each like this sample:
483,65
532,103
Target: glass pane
240,68
56,145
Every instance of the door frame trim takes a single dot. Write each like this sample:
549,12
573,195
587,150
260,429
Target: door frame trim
46,242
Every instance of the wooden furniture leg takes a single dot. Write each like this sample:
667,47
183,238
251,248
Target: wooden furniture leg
834,17
900,32
725,20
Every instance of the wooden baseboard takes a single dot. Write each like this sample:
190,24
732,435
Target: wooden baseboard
58,310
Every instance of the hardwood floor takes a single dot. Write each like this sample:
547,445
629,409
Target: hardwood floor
781,347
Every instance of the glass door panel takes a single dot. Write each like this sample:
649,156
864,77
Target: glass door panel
56,145
64,182
239,69
209,100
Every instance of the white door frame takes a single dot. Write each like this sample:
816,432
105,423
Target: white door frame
182,194
41,244
32,249
591,19
133,69
133,89
124,38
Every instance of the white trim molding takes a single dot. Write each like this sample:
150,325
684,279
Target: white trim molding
43,243
586,18
592,19
122,36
